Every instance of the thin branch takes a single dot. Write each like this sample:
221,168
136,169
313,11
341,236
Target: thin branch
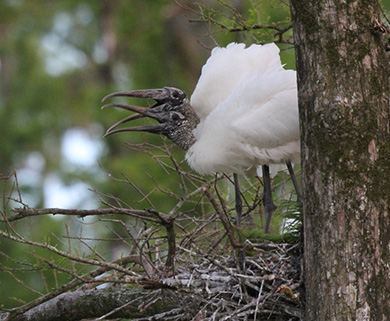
222,216
68,255
29,212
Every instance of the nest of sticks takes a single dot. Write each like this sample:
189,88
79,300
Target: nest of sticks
265,285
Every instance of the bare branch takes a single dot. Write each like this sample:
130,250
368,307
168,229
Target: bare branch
222,216
113,302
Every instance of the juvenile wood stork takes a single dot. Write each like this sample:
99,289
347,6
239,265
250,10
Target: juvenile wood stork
243,114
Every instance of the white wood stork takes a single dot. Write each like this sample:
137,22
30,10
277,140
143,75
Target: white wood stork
243,114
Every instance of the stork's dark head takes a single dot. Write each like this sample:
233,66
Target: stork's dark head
172,110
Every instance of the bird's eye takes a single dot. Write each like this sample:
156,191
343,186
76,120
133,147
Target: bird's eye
175,94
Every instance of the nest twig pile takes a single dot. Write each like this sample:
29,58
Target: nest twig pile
263,286
192,262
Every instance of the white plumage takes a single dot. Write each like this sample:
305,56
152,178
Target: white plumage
248,111
243,114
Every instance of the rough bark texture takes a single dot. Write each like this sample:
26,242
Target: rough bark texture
343,86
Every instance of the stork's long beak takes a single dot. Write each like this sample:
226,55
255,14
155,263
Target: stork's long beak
156,111
160,95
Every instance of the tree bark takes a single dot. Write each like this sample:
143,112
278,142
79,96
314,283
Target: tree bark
343,88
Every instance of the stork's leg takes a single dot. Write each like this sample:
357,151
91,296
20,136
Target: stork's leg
238,200
240,251
268,203
294,181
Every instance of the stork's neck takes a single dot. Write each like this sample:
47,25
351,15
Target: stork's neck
183,139
183,135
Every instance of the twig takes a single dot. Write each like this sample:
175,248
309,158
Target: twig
29,212
223,219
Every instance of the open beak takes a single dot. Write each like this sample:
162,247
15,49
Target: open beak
156,111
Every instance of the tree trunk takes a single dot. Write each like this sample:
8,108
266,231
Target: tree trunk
343,71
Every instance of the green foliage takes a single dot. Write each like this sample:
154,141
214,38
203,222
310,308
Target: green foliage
292,221
286,225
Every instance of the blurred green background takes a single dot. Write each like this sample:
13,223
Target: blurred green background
59,58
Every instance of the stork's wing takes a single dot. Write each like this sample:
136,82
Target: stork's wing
225,69
256,124
266,115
